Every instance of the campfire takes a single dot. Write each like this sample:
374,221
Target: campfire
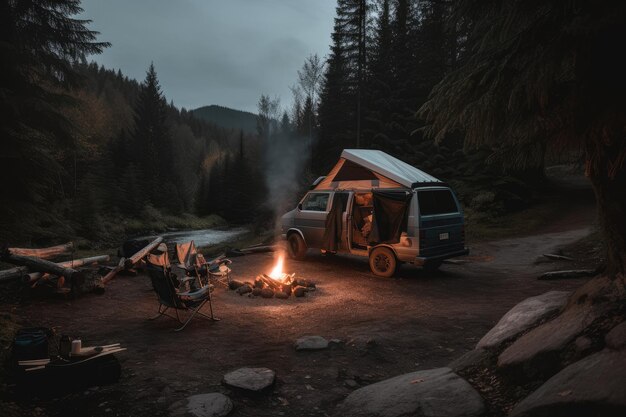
276,283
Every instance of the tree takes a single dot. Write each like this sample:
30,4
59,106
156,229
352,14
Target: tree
548,76
152,137
40,43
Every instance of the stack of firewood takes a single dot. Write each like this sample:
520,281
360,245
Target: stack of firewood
268,287
35,268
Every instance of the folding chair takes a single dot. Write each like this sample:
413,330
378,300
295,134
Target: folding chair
165,285
193,262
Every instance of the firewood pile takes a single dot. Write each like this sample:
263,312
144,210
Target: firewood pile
37,269
267,287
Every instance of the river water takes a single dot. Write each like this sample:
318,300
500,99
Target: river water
203,237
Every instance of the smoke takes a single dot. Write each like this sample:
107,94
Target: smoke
286,159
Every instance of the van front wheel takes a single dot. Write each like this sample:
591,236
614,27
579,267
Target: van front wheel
296,247
383,262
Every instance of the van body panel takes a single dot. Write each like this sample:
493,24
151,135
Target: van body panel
428,237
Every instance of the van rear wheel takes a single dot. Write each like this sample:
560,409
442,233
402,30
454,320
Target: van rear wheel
296,247
383,262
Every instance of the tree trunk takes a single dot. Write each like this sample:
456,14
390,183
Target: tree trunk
34,276
130,262
611,201
45,253
41,265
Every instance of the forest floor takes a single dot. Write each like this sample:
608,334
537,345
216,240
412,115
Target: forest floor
417,320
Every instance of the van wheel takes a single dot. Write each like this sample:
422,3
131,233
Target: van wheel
296,247
383,262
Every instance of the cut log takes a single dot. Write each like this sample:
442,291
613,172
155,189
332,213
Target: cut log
41,265
13,273
130,262
45,253
34,276
108,277
574,273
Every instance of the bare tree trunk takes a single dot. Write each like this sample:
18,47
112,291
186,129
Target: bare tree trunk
45,253
611,201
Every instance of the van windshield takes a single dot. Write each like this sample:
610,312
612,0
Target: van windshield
436,202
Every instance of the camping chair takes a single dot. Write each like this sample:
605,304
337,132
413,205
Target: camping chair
193,262
166,286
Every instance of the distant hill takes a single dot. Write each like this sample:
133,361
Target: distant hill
228,118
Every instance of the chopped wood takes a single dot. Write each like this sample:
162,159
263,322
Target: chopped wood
42,265
111,274
13,273
34,276
44,253
557,257
572,273
140,254
270,282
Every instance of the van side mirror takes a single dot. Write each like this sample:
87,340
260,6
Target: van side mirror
300,206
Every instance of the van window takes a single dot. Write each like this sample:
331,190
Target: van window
436,202
315,202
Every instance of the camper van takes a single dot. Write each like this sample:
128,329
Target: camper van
372,204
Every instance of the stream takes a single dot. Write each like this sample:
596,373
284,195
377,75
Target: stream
204,237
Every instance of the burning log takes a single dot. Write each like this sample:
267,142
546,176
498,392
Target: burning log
140,254
44,253
34,276
259,249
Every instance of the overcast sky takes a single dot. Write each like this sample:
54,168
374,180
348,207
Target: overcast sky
225,52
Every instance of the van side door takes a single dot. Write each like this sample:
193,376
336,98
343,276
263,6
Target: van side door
311,217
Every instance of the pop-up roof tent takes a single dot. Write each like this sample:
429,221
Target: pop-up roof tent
368,169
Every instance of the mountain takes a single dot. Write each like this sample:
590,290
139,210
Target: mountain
228,118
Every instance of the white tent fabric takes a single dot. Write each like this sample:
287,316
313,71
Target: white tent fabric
388,166
380,170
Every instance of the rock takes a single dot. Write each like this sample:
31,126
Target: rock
244,289
582,344
267,293
233,285
256,291
436,392
311,343
470,359
203,405
299,291
616,338
258,283
593,386
281,294
336,343
250,380
537,352
523,316
351,383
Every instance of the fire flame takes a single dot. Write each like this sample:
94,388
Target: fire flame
277,272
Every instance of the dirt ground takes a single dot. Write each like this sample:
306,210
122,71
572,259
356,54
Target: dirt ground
417,320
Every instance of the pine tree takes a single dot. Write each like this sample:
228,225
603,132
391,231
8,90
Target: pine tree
40,42
152,138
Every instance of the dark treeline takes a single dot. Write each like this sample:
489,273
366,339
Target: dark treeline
386,57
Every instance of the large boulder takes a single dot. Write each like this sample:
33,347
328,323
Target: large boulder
471,359
593,386
311,343
616,338
250,380
436,392
203,405
537,352
523,316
